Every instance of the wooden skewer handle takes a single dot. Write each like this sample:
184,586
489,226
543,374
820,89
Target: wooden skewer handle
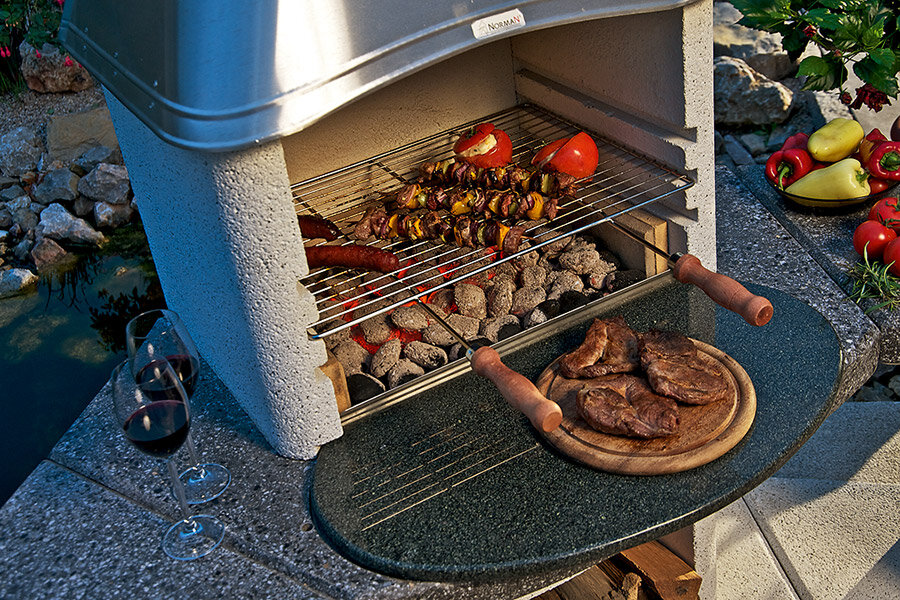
518,390
724,290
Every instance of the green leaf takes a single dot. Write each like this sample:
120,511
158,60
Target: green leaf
823,19
822,73
883,57
885,79
794,42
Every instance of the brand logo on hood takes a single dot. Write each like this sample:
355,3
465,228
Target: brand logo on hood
499,23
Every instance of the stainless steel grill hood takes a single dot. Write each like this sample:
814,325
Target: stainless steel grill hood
225,75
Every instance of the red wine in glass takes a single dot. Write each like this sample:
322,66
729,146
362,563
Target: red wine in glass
159,428
152,380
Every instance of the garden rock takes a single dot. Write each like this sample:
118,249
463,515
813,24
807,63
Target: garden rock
82,206
20,151
5,217
11,193
59,224
49,71
738,153
59,184
16,281
70,136
22,214
744,97
106,183
23,248
97,155
47,253
107,216
759,49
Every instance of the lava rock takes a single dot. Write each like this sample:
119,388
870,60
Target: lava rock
425,355
405,370
563,282
580,260
411,318
533,276
470,300
500,328
570,300
353,357
386,357
622,279
376,329
500,296
362,387
526,299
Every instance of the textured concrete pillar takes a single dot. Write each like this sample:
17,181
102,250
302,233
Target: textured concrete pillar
224,238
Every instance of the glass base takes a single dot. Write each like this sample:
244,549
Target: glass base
194,537
204,482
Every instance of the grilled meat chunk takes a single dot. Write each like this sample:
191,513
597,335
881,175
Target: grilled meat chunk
610,346
674,368
625,405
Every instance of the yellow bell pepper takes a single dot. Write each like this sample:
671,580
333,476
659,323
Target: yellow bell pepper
837,139
840,181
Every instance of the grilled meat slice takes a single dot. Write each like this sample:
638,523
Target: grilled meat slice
625,405
610,346
674,368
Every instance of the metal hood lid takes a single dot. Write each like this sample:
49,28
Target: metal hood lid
228,74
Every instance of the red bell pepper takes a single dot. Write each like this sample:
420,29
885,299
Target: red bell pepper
868,145
798,140
787,166
884,163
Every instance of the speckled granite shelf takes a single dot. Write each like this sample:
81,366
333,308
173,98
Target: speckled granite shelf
88,521
828,238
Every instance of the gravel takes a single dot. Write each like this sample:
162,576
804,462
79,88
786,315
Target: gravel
35,110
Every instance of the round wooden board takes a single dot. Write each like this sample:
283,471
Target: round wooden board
705,433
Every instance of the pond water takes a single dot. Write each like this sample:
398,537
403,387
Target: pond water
59,343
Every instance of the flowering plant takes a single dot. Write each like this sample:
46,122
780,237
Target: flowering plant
34,21
862,34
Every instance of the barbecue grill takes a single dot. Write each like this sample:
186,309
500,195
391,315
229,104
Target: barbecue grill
235,118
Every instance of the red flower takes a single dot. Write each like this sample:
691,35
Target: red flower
68,62
871,96
36,53
846,98
810,31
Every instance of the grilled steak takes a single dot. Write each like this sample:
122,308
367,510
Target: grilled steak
625,405
674,368
610,346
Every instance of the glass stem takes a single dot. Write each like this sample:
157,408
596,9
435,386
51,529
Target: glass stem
195,460
179,492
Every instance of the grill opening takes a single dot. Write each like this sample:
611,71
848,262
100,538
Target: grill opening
623,181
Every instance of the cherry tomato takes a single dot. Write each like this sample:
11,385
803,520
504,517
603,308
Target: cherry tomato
484,146
873,237
891,254
887,212
576,156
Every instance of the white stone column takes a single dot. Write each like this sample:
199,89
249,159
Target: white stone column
224,237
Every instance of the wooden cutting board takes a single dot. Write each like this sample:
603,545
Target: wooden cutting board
705,432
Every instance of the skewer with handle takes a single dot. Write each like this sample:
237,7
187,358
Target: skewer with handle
517,389
725,291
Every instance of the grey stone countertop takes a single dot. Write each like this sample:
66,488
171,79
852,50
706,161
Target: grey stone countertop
827,235
87,523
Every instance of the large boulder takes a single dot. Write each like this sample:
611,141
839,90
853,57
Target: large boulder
47,253
16,281
70,136
59,224
745,97
20,151
59,184
106,183
759,49
48,70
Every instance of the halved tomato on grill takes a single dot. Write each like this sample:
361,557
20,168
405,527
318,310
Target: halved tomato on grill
576,156
484,146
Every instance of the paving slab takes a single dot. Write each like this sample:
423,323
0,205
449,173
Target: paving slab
745,564
836,540
860,442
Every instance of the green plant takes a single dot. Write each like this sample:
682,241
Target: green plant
33,21
861,34
873,281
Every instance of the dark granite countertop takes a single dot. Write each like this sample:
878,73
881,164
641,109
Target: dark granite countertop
87,522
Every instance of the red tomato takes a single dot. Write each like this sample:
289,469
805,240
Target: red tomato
876,186
576,156
484,146
873,237
892,255
887,212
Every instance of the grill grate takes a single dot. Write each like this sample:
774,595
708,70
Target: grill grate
622,182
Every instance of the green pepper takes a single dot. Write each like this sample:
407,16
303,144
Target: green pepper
837,139
840,181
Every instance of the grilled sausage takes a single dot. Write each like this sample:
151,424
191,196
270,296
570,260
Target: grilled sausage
312,227
353,256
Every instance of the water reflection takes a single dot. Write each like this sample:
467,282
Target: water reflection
59,343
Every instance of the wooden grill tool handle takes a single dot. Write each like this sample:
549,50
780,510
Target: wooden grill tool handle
517,389
724,290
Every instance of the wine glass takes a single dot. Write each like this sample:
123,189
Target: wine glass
161,335
154,417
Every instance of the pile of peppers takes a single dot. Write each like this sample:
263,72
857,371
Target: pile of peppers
859,164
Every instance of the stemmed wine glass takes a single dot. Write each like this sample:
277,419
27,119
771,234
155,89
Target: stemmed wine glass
161,335
154,416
